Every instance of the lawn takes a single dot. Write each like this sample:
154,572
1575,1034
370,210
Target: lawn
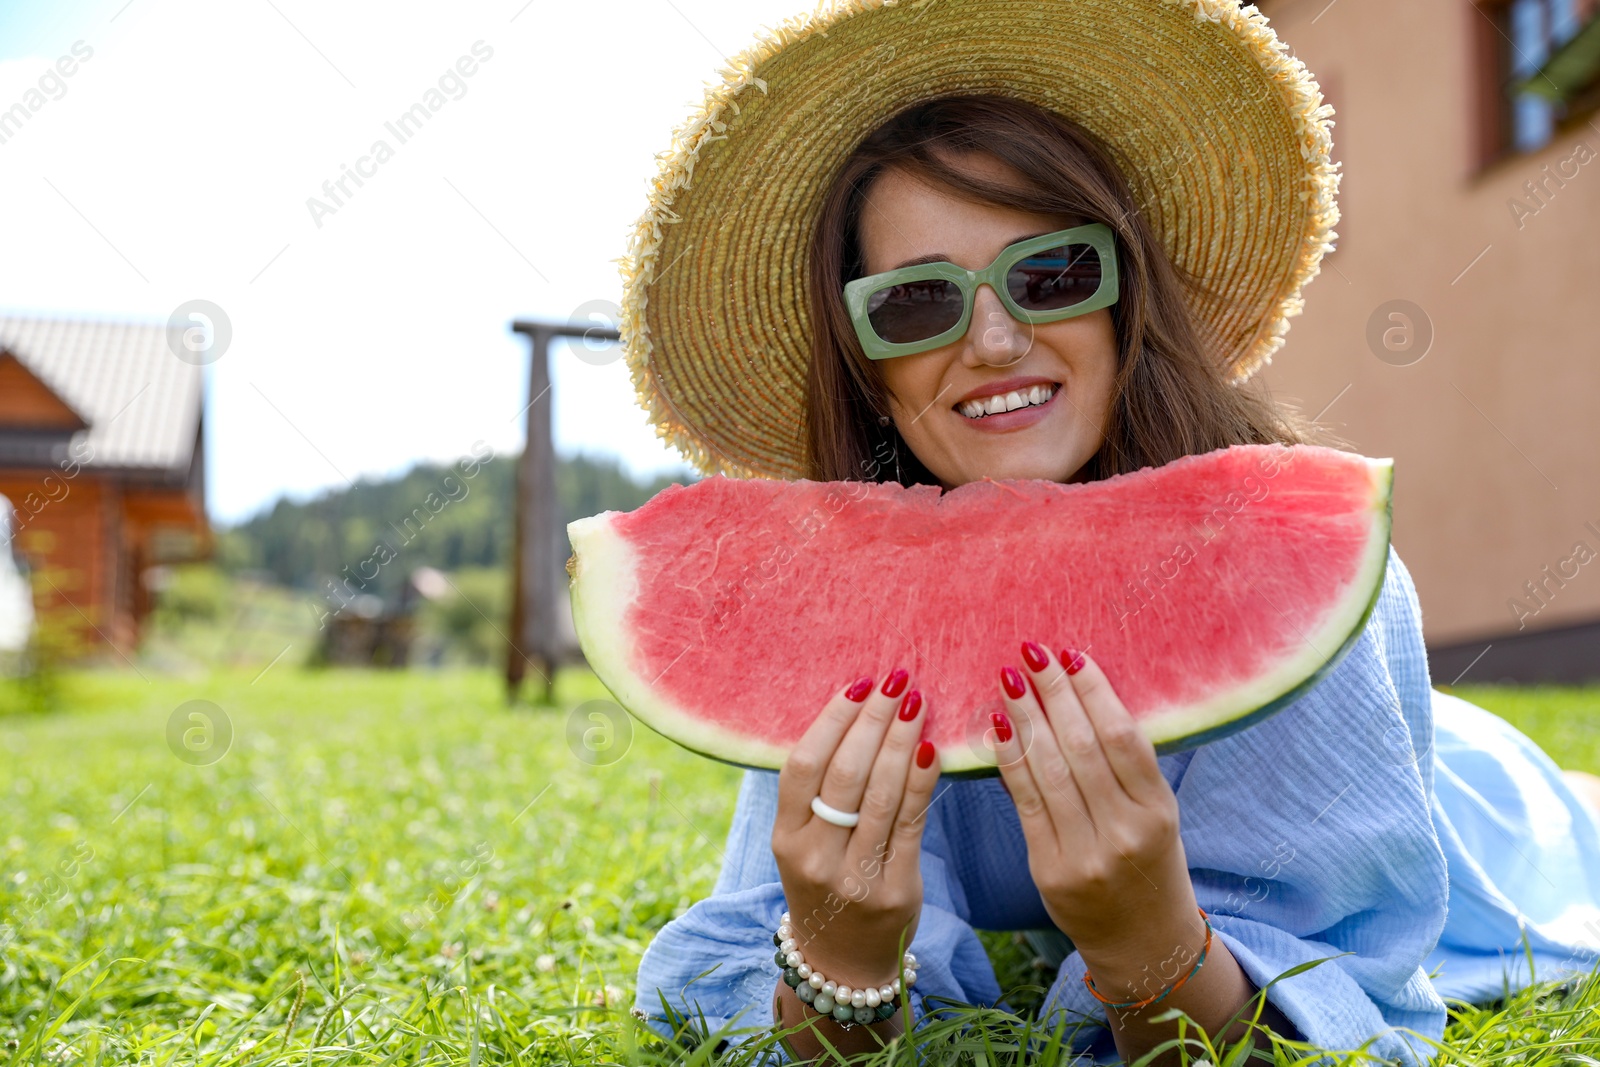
397,868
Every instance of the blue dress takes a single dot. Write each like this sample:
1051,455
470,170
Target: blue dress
1422,837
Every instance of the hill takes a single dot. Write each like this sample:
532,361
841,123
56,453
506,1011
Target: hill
451,517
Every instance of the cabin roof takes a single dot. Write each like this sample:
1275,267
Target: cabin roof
142,404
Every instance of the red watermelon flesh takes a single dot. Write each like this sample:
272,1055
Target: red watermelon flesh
1212,591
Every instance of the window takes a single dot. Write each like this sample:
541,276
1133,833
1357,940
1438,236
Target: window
1538,27
1516,39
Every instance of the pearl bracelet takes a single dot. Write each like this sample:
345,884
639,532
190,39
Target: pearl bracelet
847,1006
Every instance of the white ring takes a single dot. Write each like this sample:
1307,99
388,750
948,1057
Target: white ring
828,813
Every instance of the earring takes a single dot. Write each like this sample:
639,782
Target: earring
893,440
884,420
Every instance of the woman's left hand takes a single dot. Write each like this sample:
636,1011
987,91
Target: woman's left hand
1101,823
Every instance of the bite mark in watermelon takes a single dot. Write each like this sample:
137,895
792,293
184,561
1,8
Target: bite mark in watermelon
1212,591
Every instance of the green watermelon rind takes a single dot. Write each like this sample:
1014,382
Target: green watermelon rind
598,606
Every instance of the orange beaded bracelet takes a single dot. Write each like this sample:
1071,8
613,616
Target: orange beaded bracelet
1135,1005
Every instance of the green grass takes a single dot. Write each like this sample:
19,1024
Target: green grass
396,868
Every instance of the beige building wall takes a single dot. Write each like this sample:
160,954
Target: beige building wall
1495,432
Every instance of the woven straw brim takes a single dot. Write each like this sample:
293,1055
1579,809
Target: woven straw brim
1222,135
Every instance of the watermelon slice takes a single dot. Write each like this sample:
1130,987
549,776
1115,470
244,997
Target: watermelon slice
1212,591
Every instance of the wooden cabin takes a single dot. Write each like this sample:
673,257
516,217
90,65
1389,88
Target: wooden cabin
102,461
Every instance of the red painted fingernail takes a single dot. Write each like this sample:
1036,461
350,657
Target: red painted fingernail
1034,656
858,691
925,755
913,704
1012,680
1002,727
1072,660
896,682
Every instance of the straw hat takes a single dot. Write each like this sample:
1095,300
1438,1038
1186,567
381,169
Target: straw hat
1221,134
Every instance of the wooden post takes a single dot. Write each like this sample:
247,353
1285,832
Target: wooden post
538,569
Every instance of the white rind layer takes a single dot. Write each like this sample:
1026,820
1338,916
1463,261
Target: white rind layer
605,584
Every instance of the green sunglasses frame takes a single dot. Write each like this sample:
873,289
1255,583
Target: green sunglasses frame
1096,234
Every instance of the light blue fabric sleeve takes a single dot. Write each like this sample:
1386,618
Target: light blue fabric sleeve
729,934
1308,836
1399,637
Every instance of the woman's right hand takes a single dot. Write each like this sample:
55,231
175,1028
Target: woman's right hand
855,895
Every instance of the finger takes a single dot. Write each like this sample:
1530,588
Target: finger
886,786
1052,774
1102,792
845,781
1130,754
1038,828
801,775
905,840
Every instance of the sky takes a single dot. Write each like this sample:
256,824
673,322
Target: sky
177,162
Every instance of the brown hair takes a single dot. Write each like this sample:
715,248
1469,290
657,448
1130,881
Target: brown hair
1171,397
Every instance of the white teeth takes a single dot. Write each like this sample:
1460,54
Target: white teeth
1002,402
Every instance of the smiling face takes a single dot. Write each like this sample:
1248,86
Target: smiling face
1007,400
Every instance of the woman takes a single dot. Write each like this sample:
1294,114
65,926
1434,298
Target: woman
1358,826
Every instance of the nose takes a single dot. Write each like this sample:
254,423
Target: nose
993,336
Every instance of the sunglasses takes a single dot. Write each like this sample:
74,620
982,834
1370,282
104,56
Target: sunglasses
1044,279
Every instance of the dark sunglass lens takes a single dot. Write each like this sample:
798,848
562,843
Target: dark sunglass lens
915,311
1055,278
